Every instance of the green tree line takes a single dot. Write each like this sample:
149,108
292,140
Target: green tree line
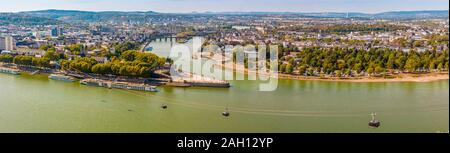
130,63
314,60
24,60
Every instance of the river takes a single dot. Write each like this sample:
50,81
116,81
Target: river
37,104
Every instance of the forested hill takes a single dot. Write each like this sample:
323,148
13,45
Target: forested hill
95,16
75,15
19,19
57,16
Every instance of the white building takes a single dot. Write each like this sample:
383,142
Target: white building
7,43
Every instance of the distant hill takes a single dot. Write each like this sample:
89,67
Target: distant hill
385,15
414,14
54,16
75,15
20,19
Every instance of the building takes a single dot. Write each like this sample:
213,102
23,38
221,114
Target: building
241,27
101,60
7,43
41,34
30,52
56,32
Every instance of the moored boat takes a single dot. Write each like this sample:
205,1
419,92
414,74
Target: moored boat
118,85
10,71
59,77
130,86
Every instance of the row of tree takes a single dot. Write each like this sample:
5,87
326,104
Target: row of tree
130,63
24,60
126,61
313,60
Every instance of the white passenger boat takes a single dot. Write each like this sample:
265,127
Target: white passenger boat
59,77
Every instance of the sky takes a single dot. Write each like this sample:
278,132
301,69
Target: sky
185,6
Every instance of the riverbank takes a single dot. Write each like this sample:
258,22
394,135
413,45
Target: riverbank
402,77
428,77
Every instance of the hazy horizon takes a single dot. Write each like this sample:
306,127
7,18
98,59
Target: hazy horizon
201,6
226,11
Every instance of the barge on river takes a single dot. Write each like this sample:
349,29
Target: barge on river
10,71
118,85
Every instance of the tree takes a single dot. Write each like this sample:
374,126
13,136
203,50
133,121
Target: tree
358,67
440,67
41,62
52,55
412,63
75,48
282,68
341,64
391,61
446,66
374,60
370,71
432,66
129,55
23,60
6,58
82,64
302,70
338,73
379,69
310,72
119,48
46,47
289,68
130,63
102,69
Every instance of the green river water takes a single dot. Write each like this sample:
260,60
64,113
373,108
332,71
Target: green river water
37,104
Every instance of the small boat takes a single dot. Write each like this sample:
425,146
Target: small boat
164,106
151,89
59,77
226,113
90,82
374,123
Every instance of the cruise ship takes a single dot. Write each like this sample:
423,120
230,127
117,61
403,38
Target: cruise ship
118,85
61,78
10,71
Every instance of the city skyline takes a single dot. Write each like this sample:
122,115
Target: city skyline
187,6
